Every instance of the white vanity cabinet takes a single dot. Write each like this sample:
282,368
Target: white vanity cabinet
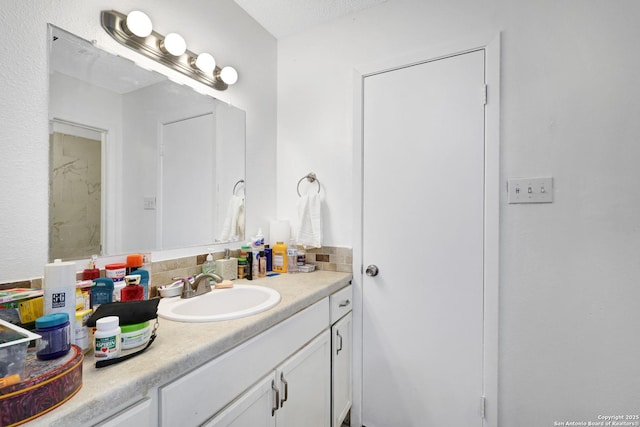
254,408
341,354
140,414
296,393
199,395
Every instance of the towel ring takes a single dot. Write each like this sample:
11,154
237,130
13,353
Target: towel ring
237,183
311,177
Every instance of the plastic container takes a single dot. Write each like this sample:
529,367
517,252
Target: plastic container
302,258
13,348
144,281
269,256
91,272
101,292
55,331
133,291
107,339
135,335
82,333
116,272
242,267
134,262
292,259
209,265
262,266
250,266
257,242
279,262
59,286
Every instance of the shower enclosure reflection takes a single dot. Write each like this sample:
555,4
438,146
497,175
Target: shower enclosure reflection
75,188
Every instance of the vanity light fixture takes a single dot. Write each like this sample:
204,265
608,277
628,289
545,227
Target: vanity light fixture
173,44
135,31
205,63
138,24
229,75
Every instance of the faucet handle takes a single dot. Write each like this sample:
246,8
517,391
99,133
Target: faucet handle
187,290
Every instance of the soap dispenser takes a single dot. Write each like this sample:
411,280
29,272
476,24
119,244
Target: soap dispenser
209,265
227,268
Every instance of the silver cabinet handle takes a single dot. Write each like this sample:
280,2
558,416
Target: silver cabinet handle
372,270
340,346
276,407
286,389
344,303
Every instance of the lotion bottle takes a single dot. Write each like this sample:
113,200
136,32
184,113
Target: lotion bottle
279,261
209,265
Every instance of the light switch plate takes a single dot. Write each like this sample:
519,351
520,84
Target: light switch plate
530,190
149,203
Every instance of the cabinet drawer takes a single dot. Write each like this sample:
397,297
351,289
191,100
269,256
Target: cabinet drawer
341,303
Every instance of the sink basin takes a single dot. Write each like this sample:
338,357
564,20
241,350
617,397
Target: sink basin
220,304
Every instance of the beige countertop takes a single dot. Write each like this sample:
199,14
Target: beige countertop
182,347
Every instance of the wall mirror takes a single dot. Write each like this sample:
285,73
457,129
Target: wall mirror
138,163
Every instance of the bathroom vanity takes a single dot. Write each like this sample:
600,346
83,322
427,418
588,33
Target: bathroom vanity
275,368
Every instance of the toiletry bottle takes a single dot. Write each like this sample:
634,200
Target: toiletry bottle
107,340
134,262
279,258
302,258
269,256
242,267
250,265
101,291
292,259
132,291
209,266
116,272
262,266
255,268
144,281
91,272
59,286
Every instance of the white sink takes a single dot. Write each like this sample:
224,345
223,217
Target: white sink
220,304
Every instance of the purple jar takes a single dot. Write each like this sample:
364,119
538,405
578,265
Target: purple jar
56,336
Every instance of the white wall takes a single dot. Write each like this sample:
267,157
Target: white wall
570,321
218,26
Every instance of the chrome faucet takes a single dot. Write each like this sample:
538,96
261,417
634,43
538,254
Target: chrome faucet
201,285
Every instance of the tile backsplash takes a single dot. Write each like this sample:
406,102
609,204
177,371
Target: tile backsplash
328,258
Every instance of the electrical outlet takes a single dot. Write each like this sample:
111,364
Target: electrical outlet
530,190
149,203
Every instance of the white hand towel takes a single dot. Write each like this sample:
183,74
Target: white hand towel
233,226
309,232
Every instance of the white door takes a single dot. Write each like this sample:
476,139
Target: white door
188,163
423,180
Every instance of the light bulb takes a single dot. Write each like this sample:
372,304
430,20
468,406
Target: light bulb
174,44
139,23
206,63
229,75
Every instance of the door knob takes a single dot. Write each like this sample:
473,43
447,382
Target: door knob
372,270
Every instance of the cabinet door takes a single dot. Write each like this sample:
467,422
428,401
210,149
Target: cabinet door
305,386
139,415
255,408
341,379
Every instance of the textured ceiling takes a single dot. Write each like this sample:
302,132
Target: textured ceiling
286,17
